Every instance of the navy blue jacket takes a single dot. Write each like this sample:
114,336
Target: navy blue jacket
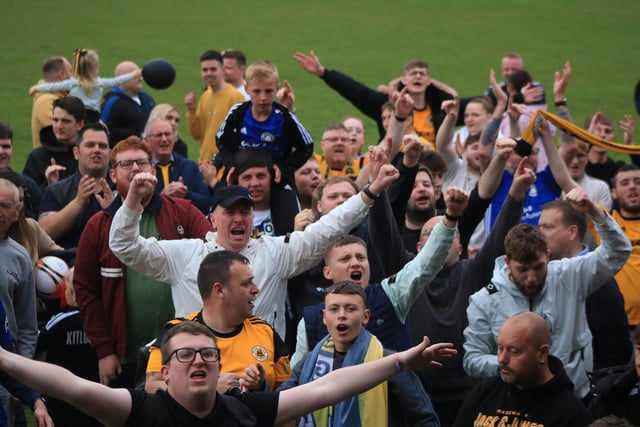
383,323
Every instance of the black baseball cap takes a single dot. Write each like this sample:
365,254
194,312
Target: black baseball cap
227,196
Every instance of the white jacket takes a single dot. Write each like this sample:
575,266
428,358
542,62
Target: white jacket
273,260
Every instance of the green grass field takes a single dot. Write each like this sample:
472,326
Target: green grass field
369,40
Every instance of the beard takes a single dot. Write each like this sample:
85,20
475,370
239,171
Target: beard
633,209
420,215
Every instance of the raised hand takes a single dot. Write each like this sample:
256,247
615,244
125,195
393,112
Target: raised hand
302,219
142,185
514,111
456,200
86,187
523,179
627,127
190,100
451,106
561,81
501,96
52,172
383,180
176,189
532,94
581,202
107,195
286,96
504,147
253,377
209,172
378,156
403,104
412,148
310,63
424,355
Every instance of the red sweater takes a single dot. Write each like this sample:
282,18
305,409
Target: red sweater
100,277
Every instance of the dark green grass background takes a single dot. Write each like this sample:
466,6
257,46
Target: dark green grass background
370,40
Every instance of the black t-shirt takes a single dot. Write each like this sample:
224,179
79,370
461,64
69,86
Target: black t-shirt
232,409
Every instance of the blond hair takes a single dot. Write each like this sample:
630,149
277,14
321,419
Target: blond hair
85,69
262,70
161,111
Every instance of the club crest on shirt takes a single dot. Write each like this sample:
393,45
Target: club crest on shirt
259,353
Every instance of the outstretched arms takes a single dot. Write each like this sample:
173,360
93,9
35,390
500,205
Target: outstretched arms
352,380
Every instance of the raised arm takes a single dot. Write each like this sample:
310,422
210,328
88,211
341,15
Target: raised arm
111,406
63,85
490,133
345,382
409,282
447,128
608,258
489,181
510,214
560,83
392,140
556,163
162,260
365,99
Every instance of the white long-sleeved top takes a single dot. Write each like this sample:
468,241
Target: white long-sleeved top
273,260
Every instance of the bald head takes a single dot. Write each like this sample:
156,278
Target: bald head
454,252
523,350
133,86
125,67
531,324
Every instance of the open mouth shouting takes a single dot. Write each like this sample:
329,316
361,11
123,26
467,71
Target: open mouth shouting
356,276
342,328
237,231
423,201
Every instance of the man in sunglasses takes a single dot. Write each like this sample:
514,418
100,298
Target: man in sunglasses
119,312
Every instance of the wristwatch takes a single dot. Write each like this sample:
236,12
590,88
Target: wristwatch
561,103
368,192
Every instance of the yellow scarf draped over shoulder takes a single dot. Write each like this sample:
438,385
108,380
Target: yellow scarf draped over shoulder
369,409
532,132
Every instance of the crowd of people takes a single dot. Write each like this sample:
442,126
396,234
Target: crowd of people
471,263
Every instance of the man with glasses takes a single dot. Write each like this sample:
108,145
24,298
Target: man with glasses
255,357
121,309
67,205
177,175
336,158
191,397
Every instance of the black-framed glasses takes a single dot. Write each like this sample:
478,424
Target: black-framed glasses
128,164
188,355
